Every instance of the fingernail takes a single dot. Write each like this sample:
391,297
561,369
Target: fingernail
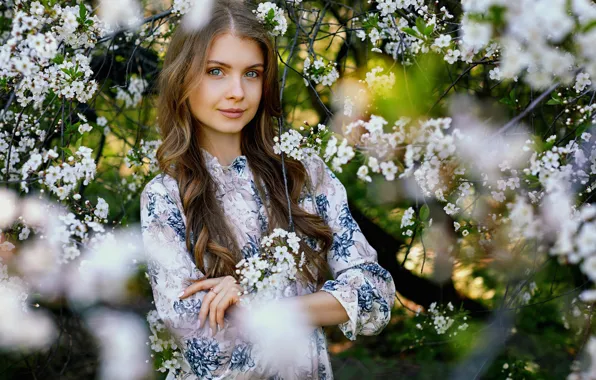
181,294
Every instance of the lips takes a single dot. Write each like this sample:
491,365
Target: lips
232,113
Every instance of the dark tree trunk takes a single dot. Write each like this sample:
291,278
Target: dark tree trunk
417,289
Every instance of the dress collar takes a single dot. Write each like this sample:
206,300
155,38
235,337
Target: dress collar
237,167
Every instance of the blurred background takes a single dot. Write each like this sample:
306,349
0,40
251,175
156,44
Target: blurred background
461,130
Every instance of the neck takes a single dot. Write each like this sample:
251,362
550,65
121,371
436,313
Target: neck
224,146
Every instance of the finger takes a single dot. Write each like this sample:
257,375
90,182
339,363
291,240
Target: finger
213,312
224,304
200,285
231,298
205,304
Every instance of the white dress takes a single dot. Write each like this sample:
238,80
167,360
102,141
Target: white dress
365,289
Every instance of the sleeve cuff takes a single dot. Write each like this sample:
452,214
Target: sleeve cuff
367,298
345,291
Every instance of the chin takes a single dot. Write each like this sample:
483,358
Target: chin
232,126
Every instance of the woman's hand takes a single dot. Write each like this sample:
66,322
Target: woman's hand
224,292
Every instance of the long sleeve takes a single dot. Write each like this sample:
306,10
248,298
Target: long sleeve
364,288
169,267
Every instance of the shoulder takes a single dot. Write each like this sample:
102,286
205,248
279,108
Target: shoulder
318,171
161,185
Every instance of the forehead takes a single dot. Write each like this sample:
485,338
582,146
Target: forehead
235,51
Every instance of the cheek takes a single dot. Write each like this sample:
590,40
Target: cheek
257,93
202,98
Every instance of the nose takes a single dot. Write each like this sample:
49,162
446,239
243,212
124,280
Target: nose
236,89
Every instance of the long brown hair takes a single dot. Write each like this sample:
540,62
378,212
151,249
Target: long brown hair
180,155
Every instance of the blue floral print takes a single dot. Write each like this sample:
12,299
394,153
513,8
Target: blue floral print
251,248
365,289
204,356
241,358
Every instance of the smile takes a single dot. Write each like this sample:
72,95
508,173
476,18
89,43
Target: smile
232,114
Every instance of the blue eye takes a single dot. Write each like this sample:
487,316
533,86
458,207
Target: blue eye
256,74
213,71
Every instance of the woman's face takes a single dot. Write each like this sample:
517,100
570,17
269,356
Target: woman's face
229,93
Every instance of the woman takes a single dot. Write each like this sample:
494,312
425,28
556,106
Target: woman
221,189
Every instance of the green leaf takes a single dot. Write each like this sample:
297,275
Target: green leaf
581,129
555,99
420,24
411,32
58,59
429,29
371,22
82,12
589,26
67,152
424,212
506,100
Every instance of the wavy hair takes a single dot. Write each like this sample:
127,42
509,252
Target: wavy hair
180,154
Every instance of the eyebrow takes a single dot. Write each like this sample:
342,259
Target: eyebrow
228,66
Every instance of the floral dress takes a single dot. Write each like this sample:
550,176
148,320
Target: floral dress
365,289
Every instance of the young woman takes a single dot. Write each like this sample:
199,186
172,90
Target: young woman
222,188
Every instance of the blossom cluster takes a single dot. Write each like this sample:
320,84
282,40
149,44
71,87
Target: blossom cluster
61,178
16,147
297,146
143,161
380,84
530,42
133,94
269,274
272,17
165,352
320,71
339,154
407,220
30,61
444,320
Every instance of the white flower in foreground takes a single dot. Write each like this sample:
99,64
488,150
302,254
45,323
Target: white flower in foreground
122,339
582,80
475,35
198,15
281,330
8,205
20,326
586,240
107,267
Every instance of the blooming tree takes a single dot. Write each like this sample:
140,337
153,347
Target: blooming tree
471,121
